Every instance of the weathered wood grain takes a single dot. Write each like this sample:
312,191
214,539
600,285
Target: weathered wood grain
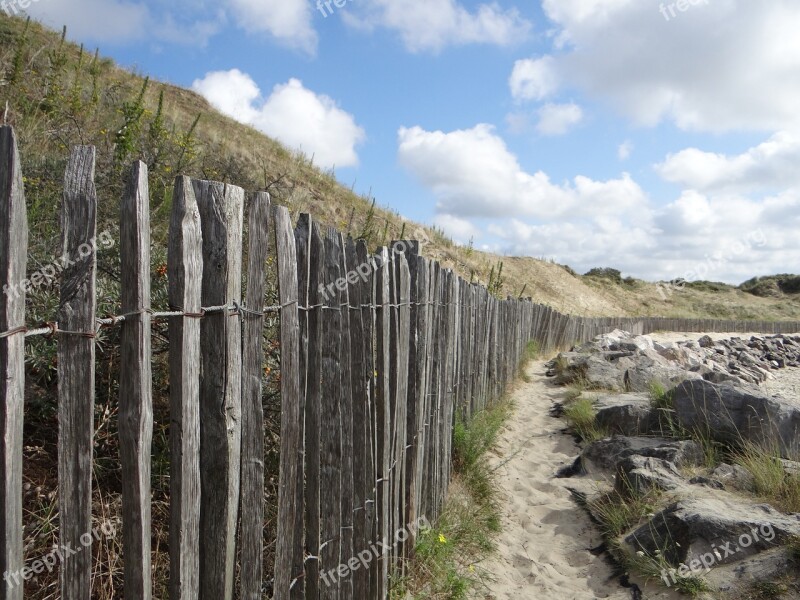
13,265
331,433
311,258
291,430
185,272
76,369
251,542
383,412
136,385
361,539
221,214
346,374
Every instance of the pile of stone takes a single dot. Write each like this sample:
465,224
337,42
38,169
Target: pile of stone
621,361
648,397
712,386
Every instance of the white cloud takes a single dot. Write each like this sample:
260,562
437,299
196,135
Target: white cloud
288,21
108,21
472,173
558,119
717,234
723,66
431,25
292,114
533,79
773,164
461,230
625,150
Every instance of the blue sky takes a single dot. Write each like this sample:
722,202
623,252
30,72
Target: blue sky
660,138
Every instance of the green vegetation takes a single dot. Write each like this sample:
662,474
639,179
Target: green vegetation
773,285
580,413
770,479
445,557
612,275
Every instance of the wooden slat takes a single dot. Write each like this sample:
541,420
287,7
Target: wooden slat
383,413
185,271
401,344
13,265
361,538
252,505
291,436
331,432
76,369
135,385
221,214
347,552
310,258
301,240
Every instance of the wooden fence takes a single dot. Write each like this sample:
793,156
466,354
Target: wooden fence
380,353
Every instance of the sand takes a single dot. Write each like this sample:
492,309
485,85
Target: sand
543,551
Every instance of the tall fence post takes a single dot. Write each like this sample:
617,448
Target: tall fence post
13,265
185,270
291,436
76,370
252,504
221,215
136,385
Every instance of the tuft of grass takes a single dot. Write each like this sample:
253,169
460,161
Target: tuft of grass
770,479
768,590
445,557
793,547
532,351
619,512
581,416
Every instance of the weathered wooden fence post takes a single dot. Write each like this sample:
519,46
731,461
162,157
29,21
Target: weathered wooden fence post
185,271
136,385
310,260
221,215
13,265
291,427
251,539
76,370
331,428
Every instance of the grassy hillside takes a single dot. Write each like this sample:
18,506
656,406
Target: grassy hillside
59,95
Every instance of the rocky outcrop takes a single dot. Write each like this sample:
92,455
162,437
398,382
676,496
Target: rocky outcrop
732,414
626,414
724,527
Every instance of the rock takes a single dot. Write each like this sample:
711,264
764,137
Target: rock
733,475
603,455
691,528
706,342
638,475
711,483
732,414
604,375
626,414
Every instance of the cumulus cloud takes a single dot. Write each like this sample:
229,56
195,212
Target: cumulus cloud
474,174
558,119
483,191
292,114
770,165
431,25
288,21
533,79
723,66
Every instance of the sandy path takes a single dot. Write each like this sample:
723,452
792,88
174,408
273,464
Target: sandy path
543,549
